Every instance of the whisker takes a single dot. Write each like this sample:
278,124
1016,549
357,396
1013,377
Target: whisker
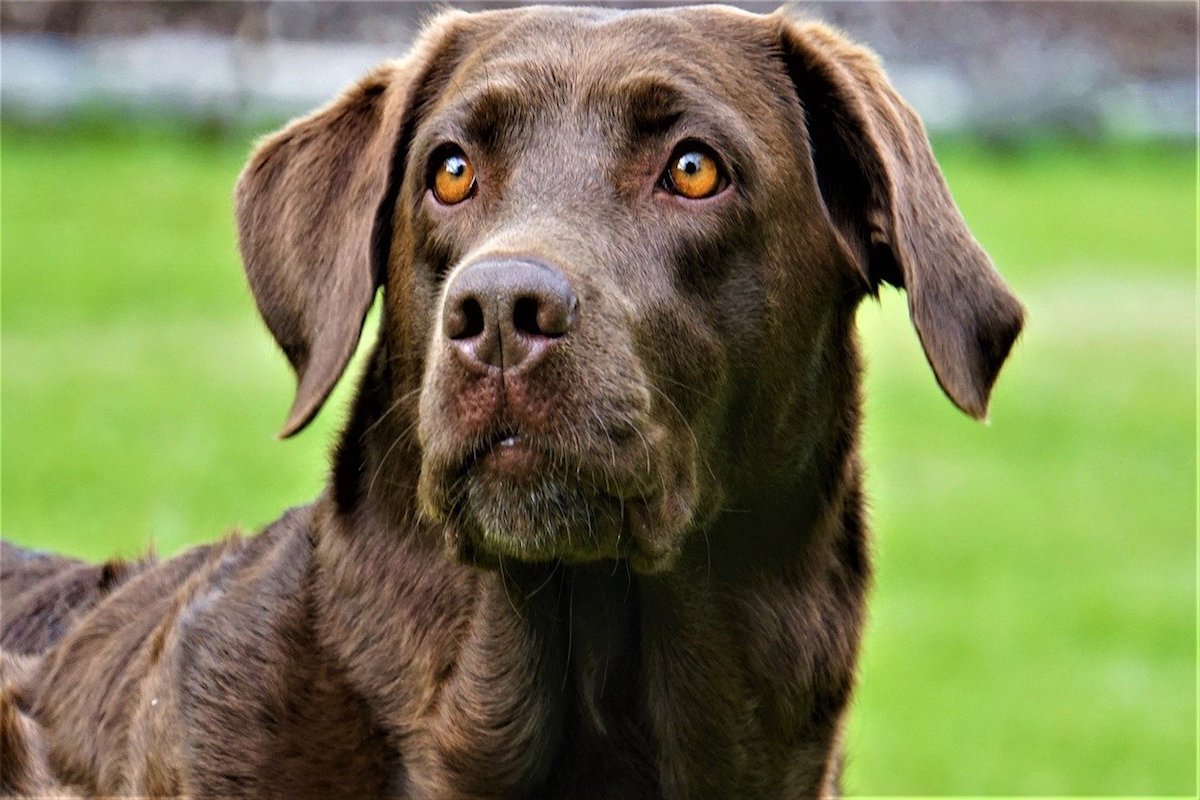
691,431
383,460
680,384
504,583
543,584
399,401
570,634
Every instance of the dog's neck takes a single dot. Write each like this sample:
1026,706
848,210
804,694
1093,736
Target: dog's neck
498,682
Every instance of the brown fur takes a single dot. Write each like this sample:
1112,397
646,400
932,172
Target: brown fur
670,604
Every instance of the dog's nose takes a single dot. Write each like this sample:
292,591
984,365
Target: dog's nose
508,313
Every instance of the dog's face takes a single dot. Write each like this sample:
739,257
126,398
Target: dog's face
624,241
621,254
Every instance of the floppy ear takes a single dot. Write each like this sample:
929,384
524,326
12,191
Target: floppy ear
314,209
889,202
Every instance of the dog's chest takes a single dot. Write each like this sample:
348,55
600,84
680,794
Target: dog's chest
544,699
563,696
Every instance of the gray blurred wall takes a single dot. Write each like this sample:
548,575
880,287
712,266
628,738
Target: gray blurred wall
996,68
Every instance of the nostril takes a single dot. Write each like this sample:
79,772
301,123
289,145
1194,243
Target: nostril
555,319
542,317
525,316
548,317
467,320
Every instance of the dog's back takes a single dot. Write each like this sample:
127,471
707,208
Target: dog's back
42,595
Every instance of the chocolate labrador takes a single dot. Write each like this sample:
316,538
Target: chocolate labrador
595,527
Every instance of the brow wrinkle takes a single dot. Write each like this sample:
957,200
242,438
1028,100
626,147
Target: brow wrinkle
651,105
498,108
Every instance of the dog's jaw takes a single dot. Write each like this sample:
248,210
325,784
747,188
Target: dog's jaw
542,507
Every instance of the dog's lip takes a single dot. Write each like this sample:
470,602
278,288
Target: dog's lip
507,452
510,451
515,453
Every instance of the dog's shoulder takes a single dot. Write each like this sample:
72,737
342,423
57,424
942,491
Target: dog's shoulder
209,620
227,621
44,595
200,592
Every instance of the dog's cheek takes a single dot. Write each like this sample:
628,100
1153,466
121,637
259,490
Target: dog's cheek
687,365
663,525
685,355
434,433
427,382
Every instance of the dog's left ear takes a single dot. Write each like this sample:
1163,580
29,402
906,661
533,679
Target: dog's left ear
890,205
314,209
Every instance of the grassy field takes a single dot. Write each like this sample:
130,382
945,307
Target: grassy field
1033,622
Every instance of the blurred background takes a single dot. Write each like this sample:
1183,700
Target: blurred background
1033,624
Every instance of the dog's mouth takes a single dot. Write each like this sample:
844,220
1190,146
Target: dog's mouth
506,452
513,494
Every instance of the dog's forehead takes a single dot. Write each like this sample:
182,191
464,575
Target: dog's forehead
580,50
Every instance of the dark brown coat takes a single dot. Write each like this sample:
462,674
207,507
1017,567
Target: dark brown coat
632,564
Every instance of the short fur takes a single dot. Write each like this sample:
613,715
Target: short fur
670,605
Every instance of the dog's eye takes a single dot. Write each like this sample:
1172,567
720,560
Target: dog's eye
693,173
453,178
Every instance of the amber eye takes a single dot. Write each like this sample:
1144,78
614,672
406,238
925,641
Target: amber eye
693,173
453,178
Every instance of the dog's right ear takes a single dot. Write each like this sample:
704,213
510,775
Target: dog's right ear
314,211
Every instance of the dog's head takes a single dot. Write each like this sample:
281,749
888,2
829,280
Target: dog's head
620,253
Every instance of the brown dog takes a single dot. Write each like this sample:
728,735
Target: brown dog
595,527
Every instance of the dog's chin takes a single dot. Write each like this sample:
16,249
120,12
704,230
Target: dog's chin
535,518
508,497
552,519
512,505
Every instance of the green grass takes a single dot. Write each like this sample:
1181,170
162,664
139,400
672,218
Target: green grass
1033,623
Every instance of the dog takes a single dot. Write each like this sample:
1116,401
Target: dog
595,526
